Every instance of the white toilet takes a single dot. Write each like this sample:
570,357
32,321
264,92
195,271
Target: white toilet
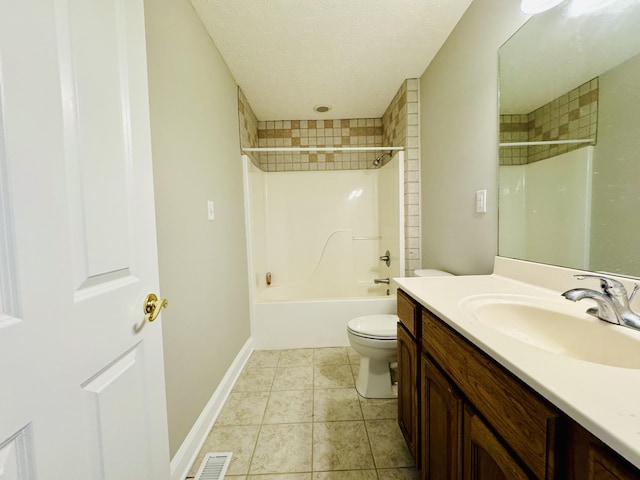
375,339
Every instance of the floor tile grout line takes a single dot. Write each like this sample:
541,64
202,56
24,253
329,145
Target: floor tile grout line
375,466
314,389
373,457
255,443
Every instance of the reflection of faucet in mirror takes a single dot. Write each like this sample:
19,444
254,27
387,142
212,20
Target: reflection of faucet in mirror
612,302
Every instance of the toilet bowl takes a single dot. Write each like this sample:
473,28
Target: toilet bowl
374,338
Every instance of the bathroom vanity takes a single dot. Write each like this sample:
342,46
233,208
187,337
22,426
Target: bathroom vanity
474,402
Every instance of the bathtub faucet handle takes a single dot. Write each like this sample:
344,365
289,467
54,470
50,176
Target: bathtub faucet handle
386,258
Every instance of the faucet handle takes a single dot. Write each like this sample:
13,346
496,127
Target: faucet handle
386,258
609,285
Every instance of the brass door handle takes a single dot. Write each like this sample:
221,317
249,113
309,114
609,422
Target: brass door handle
152,307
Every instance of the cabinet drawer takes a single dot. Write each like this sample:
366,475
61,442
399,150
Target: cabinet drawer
524,421
407,312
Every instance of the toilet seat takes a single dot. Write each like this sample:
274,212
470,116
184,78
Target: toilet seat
378,327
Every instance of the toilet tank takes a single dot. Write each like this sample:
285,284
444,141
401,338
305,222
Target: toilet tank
432,273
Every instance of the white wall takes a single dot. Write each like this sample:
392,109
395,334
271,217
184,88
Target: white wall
196,157
459,138
320,233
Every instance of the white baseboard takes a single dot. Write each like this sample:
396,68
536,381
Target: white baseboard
188,451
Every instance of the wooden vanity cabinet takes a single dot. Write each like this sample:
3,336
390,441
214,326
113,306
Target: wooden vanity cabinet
408,374
464,416
523,422
460,414
456,442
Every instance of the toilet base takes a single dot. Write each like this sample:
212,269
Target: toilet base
374,379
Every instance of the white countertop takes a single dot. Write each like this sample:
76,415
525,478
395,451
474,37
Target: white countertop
603,399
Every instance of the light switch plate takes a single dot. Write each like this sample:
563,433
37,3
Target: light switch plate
481,201
210,210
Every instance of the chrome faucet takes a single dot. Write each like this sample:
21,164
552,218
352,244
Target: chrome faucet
381,280
612,303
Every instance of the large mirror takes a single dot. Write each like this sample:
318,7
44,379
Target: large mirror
570,138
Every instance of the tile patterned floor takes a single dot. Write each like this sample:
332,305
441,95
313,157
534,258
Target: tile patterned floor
296,415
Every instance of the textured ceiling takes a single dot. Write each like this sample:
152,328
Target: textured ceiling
291,55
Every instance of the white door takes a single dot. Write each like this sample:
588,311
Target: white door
81,374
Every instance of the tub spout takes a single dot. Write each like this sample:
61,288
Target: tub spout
381,280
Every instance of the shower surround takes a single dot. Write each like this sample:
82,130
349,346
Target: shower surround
399,126
315,242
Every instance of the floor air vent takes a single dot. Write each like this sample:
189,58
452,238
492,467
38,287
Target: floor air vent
214,466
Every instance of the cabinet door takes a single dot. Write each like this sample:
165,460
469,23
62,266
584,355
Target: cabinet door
441,424
485,457
605,465
408,390
590,459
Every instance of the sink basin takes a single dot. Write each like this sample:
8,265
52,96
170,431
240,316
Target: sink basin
558,327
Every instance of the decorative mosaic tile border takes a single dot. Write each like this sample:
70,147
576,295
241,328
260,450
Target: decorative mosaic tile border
248,122
360,132
572,116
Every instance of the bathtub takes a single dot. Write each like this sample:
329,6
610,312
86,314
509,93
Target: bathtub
289,317
314,241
